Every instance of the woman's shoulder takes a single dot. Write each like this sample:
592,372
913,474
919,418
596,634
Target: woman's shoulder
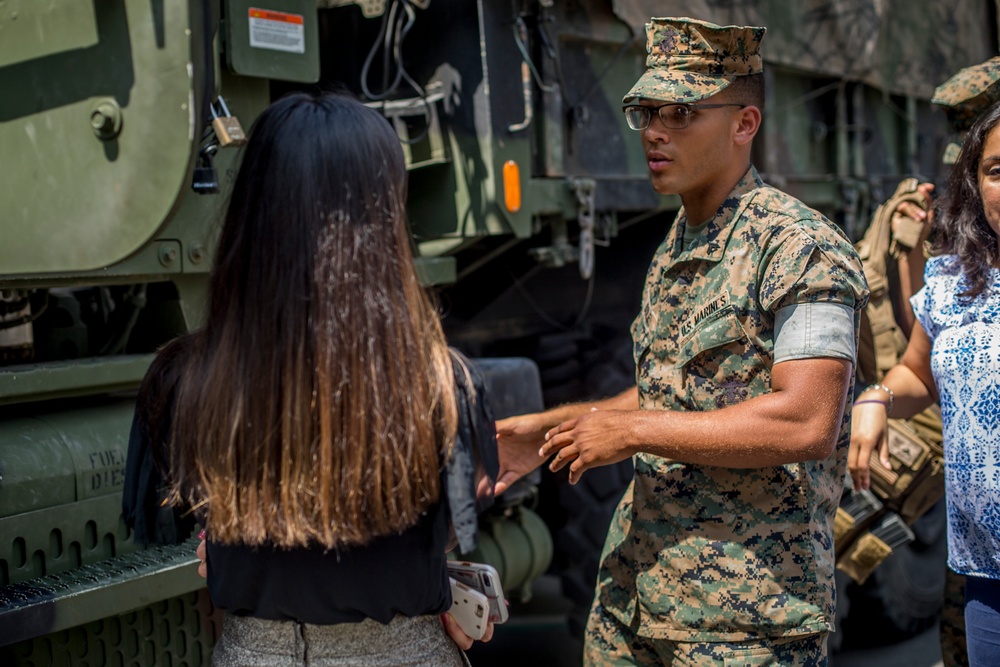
943,267
176,349
944,277
164,373
169,360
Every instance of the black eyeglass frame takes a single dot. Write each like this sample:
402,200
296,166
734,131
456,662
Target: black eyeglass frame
690,107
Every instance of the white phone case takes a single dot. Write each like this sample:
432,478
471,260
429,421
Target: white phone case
469,608
484,578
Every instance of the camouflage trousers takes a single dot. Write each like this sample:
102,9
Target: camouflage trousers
953,649
608,643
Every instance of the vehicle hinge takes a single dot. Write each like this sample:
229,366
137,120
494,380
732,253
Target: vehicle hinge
584,188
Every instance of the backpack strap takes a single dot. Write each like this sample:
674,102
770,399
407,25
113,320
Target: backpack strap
881,342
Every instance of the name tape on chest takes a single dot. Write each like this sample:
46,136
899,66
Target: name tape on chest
713,306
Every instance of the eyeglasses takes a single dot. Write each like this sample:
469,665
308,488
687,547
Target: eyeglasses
673,116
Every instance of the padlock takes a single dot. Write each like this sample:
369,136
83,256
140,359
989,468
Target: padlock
205,180
227,127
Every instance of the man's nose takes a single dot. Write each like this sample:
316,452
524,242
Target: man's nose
656,130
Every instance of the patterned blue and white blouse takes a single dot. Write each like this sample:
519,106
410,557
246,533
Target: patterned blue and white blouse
965,360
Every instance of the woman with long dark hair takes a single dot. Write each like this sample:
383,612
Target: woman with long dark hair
311,424
953,357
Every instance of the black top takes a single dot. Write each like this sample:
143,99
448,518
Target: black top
397,574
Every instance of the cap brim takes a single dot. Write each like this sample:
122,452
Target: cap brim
675,86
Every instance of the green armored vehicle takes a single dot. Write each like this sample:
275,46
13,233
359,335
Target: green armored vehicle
531,212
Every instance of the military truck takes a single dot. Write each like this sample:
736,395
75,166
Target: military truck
531,213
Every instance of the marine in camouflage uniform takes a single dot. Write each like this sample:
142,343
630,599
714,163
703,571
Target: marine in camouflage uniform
707,564
700,554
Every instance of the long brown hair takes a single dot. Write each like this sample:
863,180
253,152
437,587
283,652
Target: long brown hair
960,227
318,402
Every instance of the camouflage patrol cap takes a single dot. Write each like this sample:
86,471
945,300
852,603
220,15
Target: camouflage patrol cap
965,96
688,60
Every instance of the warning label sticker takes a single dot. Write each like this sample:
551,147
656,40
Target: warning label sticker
277,31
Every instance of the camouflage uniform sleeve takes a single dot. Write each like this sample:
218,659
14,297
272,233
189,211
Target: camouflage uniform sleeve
800,267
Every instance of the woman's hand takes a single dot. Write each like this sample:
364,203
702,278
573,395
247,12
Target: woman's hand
869,428
202,553
923,215
463,640
518,440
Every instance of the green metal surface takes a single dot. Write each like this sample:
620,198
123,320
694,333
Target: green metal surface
78,201
175,632
63,456
61,538
105,589
37,382
436,270
156,261
23,21
281,45
38,468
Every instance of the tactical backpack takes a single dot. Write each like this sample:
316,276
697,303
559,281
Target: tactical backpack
869,524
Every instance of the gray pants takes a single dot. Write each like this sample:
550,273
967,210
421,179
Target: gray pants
404,642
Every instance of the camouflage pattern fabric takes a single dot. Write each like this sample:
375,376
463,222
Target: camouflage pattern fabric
892,46
610,644
699,553
954,652
969,92
964,96
690,60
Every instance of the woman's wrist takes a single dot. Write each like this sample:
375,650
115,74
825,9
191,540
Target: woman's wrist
884,404
877,393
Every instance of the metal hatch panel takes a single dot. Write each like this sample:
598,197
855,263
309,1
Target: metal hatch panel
75,198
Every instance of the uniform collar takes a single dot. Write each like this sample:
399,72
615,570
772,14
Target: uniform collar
711,243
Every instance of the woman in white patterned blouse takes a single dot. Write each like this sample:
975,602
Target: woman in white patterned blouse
953,357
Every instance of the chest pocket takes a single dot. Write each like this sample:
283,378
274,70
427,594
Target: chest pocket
718,363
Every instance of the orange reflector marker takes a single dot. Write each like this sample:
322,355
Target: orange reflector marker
512,186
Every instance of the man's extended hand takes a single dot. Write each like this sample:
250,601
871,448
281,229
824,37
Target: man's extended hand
518,441
600,438
520,438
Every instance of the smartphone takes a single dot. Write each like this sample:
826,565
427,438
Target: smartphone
469,608
485,579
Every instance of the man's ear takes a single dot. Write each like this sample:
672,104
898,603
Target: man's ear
747,124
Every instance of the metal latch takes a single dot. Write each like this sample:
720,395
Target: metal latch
584,189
